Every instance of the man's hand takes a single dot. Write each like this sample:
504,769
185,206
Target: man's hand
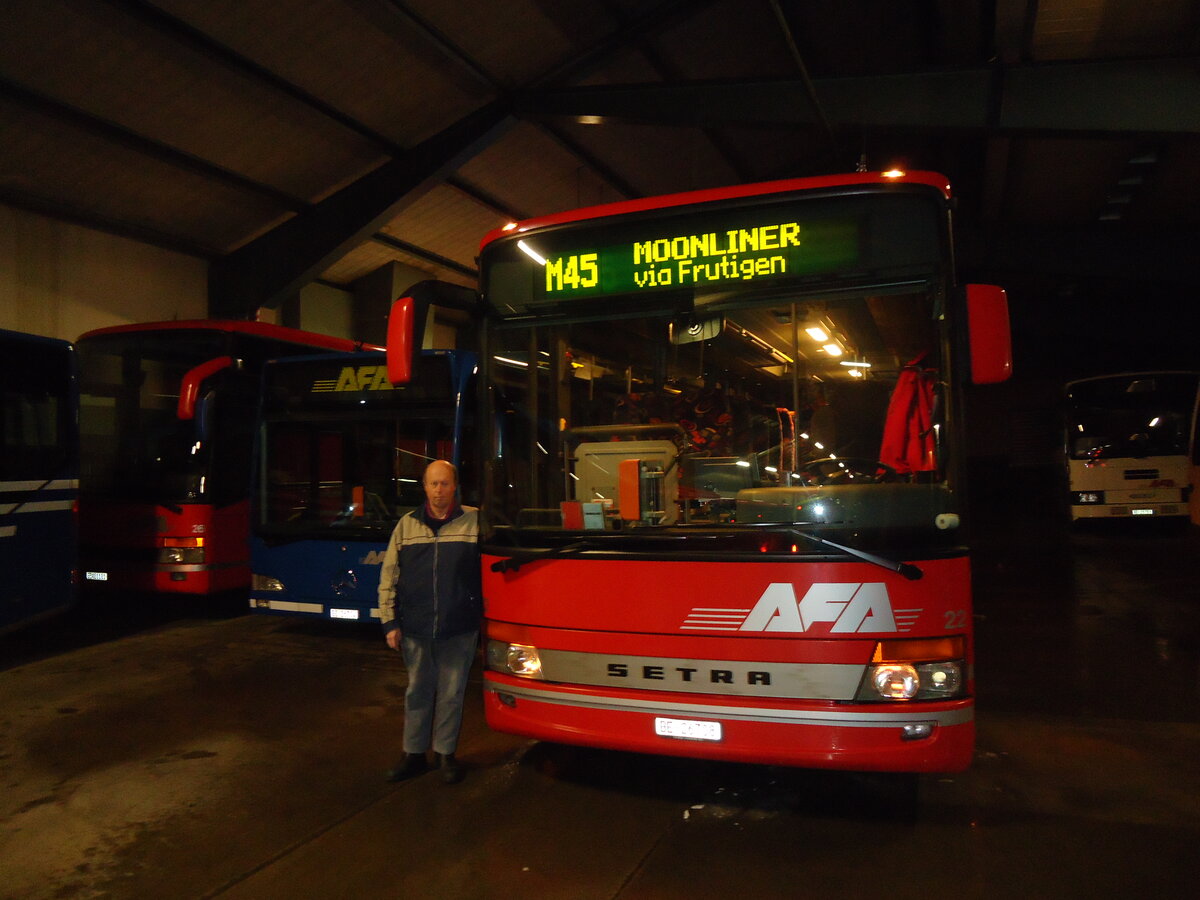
393,638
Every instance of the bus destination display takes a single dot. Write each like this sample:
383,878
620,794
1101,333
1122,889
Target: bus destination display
759,252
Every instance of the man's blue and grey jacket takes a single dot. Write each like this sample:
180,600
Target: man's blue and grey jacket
429,584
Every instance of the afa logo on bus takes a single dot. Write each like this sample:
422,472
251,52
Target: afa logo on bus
848,608
355,378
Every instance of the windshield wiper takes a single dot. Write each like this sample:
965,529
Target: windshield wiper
908,570
512,563
607,542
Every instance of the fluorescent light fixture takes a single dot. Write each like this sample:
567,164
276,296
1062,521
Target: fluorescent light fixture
531,253
511,362
858,365
832,349
770,469
817,333
742,463
856,373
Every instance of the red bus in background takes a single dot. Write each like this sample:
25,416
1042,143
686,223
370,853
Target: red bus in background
167,417
724,495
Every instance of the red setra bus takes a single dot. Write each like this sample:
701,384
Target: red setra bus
167,418
724,493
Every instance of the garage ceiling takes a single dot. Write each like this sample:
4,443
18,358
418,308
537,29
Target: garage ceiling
289,141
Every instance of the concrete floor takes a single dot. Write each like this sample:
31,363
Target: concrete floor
158,753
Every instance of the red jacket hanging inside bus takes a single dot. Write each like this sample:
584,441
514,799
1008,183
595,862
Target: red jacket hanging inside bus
908,443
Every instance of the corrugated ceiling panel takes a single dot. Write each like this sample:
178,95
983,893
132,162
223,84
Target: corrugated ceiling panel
1079,29
712,43
50,161
516,41
658,160
536,174
363,58
94,58
446,222
368,257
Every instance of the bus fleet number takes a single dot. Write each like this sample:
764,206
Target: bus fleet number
956,619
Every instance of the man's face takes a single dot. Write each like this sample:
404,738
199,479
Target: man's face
440,486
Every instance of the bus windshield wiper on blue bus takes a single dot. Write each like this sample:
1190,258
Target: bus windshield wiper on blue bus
908,570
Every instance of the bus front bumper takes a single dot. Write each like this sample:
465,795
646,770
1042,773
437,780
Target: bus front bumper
927,737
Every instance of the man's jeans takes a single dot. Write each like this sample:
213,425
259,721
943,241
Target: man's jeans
437,682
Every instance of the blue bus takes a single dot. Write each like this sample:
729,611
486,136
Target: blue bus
39,477
340,454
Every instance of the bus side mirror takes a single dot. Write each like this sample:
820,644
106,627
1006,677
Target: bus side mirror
989,334
407,321
401,339
189,389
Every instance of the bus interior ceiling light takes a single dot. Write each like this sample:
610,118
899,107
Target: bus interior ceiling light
817,333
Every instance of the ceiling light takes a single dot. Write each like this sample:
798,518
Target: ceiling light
857,365
817,333
832,349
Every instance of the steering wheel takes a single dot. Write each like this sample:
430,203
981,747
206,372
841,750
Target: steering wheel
847,470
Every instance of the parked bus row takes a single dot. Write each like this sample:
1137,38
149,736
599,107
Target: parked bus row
717,438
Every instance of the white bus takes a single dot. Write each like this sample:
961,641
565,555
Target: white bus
1130,443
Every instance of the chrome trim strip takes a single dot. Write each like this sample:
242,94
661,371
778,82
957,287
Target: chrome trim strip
822,718
288,606
740,678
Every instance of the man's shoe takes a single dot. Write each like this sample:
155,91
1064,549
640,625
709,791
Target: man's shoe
411,766
452,772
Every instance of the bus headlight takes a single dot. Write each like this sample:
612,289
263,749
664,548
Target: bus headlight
902,670
181,555
265,583
514,659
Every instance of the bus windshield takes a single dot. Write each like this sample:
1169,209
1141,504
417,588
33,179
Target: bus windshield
1131,416
785,409
138,446
342,451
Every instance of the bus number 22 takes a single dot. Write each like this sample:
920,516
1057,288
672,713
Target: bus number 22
956,619
573,272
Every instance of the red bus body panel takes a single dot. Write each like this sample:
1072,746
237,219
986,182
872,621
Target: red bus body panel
129,535
817,616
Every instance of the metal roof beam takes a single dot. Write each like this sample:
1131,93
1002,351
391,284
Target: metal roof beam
272,267
1054,98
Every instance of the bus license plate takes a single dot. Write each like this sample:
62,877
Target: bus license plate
688,729
96,576
335,613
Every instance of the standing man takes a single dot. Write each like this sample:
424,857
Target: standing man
430,607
